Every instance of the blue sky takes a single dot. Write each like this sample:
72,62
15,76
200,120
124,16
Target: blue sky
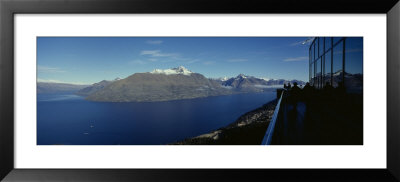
86,60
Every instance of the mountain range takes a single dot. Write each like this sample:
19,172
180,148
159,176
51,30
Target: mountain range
95,87
50,88
243,83
159,86
173,84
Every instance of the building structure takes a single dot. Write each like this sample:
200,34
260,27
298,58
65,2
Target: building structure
337,61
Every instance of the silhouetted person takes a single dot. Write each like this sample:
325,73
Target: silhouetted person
340,86
340,91
307,87
284,86
289,86
295,89
307,91
328,91
295,92
328,87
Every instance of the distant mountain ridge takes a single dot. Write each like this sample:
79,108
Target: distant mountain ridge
159,85
244,83
50,87
95,87
173,84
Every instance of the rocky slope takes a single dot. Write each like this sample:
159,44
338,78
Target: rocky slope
248,129
95,87
159,85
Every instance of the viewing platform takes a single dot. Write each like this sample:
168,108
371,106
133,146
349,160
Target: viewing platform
319,117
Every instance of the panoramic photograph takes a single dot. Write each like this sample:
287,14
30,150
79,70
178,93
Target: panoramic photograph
199,91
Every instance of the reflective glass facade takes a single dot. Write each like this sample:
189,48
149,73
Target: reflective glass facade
337,61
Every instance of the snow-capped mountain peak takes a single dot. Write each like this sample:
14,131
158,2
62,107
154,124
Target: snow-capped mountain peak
173,71
241,76
224,78
337,73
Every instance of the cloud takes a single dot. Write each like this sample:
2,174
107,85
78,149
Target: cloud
306,41
237,60
137,62
191,61
259,52
154,42
149,52
302,58
157,53
45,69
209,62
51,81
296,43
58,81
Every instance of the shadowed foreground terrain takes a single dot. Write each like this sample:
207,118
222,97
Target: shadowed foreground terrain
248,129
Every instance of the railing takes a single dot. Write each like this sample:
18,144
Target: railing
270,130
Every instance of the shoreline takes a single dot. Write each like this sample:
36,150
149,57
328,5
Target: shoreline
248,129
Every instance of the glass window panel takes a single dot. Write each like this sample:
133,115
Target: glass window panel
314,82
328,66
354,64
336,39
317,48
318,73
337,65
314,57
312,74
312,52
321,46
310,68
328,43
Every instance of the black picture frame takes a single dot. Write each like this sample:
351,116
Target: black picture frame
8,8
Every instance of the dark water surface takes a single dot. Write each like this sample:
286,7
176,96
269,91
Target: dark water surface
71,120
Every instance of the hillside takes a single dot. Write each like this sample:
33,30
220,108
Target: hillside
94,87
52,88
173,84
248,129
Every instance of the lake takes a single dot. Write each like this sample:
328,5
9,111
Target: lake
66,119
